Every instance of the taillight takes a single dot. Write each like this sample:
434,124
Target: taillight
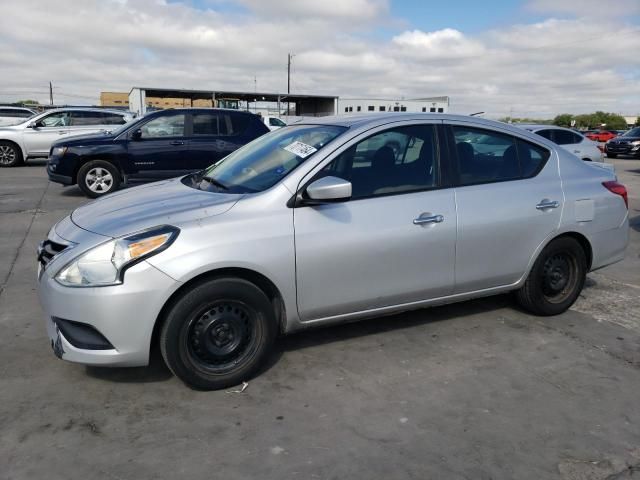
618,189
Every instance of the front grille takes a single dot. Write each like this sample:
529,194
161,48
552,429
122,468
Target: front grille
47,250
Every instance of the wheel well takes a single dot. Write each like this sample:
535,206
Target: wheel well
586,159
259,280
584,243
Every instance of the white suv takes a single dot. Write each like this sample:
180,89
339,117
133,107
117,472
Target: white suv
13,115
33,137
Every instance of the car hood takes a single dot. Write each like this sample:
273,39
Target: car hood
169,202
85,139
624,139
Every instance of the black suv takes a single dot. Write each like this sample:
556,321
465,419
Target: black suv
162,144
626,144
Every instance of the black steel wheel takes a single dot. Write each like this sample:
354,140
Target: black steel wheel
556,279
218,333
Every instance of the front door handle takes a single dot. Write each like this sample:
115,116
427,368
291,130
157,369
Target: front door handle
546,203
427,218
176,142
576,151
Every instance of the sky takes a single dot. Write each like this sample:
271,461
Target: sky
521,58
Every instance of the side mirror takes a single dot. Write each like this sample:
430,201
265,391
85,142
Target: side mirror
328,190
136,134
33,125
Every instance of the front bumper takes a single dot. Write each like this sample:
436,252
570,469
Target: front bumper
55,177
622,149
124,315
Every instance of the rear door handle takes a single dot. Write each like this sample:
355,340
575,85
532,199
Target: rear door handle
176,142
546,203
426,219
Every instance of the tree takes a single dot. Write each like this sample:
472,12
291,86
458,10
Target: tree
563,120
27,102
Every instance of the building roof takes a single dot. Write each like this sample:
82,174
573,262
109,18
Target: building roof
239,95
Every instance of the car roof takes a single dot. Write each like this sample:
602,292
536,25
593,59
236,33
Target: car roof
11,107
364,119
199,110
87,109
541,126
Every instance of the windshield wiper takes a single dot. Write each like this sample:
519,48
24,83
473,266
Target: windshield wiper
215,182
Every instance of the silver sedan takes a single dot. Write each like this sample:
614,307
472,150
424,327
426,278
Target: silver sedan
325,221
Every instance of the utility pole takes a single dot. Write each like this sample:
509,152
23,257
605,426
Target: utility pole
50,93
289,57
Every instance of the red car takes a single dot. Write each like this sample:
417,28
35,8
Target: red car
601,135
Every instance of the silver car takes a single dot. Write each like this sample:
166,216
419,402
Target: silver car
570,140
32,138
326,221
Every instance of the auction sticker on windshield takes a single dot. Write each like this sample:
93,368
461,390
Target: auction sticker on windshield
300,149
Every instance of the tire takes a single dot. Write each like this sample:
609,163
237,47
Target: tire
10,155
97,178
556,279
218,333
612,155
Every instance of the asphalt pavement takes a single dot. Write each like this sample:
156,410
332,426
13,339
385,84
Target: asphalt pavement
476,390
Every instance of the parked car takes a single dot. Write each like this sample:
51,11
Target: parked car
626,144
32,138
570,140
306,226
273,123
13,115
162,144
601,135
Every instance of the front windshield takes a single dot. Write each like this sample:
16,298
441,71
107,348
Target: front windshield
265,161
634,132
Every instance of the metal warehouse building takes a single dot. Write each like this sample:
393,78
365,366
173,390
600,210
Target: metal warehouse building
141,98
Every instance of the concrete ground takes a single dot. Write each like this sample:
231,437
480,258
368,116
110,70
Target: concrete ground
477,390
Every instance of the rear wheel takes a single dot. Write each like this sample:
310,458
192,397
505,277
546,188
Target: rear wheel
218,334
10,155
97,178
556,279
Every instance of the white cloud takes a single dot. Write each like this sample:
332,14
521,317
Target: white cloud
446,43
537,69
587,8
344,10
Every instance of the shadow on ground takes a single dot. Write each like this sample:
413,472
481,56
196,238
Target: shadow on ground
157,371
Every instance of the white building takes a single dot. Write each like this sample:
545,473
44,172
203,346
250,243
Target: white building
367,105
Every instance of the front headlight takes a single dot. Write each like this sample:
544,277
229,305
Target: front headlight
58,151
635,142
105,264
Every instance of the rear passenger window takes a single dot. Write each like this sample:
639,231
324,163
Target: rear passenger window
532,158
545,133
86,118
564,137
205,124
486,156
394,161
112,119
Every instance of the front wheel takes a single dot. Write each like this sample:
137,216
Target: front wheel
218,333
10,155
556,279
97,178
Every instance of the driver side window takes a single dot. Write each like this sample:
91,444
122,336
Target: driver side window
171,126
59,119
403,159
